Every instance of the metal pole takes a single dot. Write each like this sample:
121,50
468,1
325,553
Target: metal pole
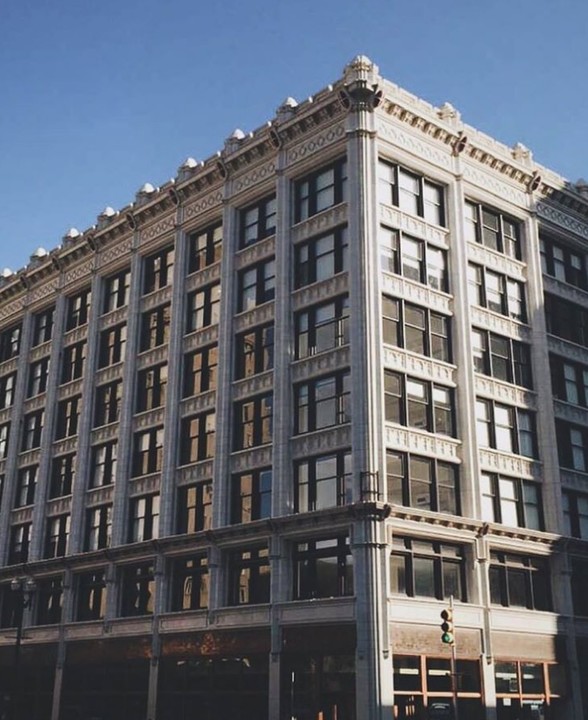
453,666
16,686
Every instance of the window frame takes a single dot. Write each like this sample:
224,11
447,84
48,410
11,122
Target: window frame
308,325
306,558
306,203
429,409
389,190
265,211
511,246
211,250
516,442
257,356
253,500
309,256
309,479
207,313
261,423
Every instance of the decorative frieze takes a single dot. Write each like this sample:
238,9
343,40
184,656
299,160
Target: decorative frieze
156,298
16,307
83,271
29,457
113,252
76,335
35,403
564,290
562,219
155,230
21,515
414,292
419,366
9,366
104,434
38,352
67,445
100,495
320,291
571,413
411,440
149,419
323,139
144,485
255,176
504,392
574,480
320,223
255,457
256,252
415,226
508,464
320,364
201,338
264,382
70,389
45,290
496,261
262,314
203,204
400,137
198,403
108,374
321,441
115,317
203,277
567,349
489,182
153,357
194,473
58,506
494,322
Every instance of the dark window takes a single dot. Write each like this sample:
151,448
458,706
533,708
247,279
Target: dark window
195,508
572,445
502,358
416,328
422,482
566,320
492,229
257,221
579,580
253,422
116,291
190,582
18,549
32,427
205,247
203,308
511,501
197,438
151,387
252,496
322,327
138,590
420,568
410,192
112,346
322,482
563,263
159,269
506,428
418,404
10,342
257,285
323,402
323,568
249,576
98,527
575,509
569,380
254,351
321,258
496,292
519,581
412,258
155,327
144,518
200,371
49,601
148,451
91,595
107,404
26,486
77,309
72,365
43,326
320,190
38,376
103,468
68,414
4,435
62,475
7,388
57,536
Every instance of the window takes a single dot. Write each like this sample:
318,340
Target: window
569,380
4,435
7,390
505,428
91,595
49,601
249,576
322,327
496,292
321,258
323,568
322,482
254,351
77,309
151,387
257,221
412,258
72,365
423,483
418,404
195,508
68,413
252,496
579,581
148,451
190,583
257,285
197,438
416,328
32,429
108,401
138,590
20,538
410,192
57,536
144,518
38,376
112,346
155,327
98,527
566,320
205,247
493,229
562,262
103,468
320,190
253,422
200,371
116,291
43,326
158,269
26,486
62,475
204,307
421,568
502,358
323,402
575,509
519,581
511,501
10,342
572,445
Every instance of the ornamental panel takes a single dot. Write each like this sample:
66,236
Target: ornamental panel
495,261
400,137
504,392
144,485
5,414
253,177
16,307
394,217
256,457
321,140
108,374
567,349
256,252
82,271
115,317
262,314
574,480
563,290
9,366
201,338
43,291
203,204
398,359
156,298
203,277
194,473
109,254
253,385
322,363
498,187
412,440
320,223
30,457
320,291
59,506
321,441
21,515
100,495
67,445
104,434
572,413
509,464
153,357
561,218
149,419
488,320
421,294
70,389
155,230
39,352
75,335
198,403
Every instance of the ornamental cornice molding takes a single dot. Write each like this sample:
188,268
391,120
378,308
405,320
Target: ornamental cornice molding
562,219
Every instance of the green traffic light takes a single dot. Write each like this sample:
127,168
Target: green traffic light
447,638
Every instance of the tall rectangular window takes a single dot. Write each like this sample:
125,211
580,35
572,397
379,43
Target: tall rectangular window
10,342
323,402
57,536
520,581
62,475
322,327
32,428
506,428
575,509
257,285
77,309
411,192
103,464
322,482
18,548
43,326
205,247
91,595
197,438
200,371
419,404
148,451
203,308
249,576
190,583
257,221
98,527
320,190
158,269
323,568
415,328
563,262
107,405
253,422
38,377
144,518
155,327
7,390
421,482
26,486
195,507
321,258
112,346
4,436
421,568
116,291
511,501
569,380
151,387
68,414
254,351
502,358
72,364
49,601
251,495
493,229
137,589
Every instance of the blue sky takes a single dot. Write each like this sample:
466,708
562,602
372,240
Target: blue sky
98,97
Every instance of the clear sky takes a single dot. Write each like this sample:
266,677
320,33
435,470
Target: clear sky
98,97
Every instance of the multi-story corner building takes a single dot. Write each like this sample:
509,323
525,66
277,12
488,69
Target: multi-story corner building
262,426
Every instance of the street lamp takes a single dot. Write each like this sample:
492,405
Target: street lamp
24,590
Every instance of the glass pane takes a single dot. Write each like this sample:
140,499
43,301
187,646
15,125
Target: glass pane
424,577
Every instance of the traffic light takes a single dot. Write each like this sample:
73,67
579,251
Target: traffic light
448,632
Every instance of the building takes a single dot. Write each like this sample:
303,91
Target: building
262,426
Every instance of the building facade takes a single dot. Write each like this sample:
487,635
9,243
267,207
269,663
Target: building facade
259,428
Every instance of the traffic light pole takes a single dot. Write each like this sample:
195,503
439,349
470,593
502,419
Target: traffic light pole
453,669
